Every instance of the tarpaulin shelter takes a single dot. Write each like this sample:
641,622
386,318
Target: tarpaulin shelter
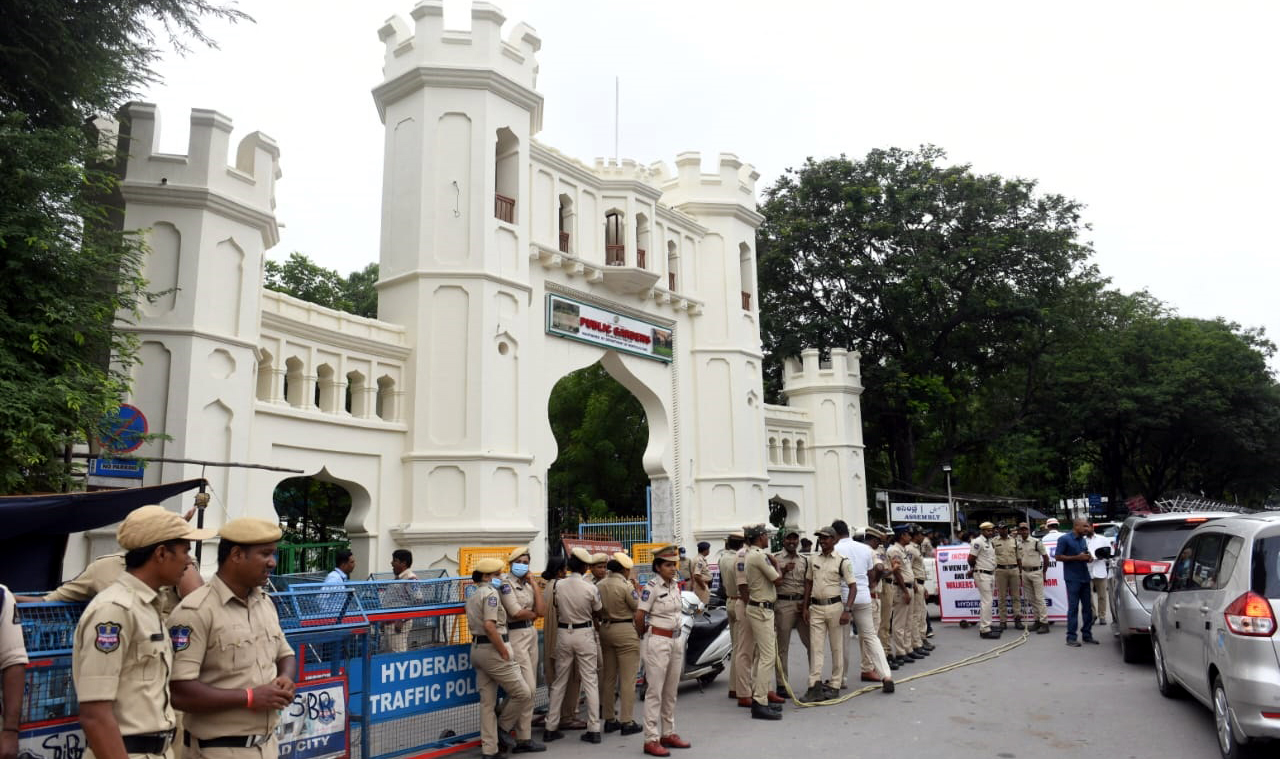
34,528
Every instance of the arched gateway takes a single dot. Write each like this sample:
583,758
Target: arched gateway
504,265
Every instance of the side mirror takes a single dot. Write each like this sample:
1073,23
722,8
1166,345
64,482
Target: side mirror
1156,583
1102,553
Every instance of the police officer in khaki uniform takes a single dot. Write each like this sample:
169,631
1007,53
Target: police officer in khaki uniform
13,665
233,670
701,584
786,612
982,562
885,593
576,601
657,618
620,646
919,622
758,579
522,604
1008,589
568,706
739,630
904,586
599,567
121,656
826,614
495,664
1033,561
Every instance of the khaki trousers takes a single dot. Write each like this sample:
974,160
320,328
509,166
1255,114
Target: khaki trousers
731,607
786,617
663,662
1033,590
1008,587
1099,597
886,614
824,631
900,622
621,649
576,647
524,652
984,581
744,646
493,671
919,613
765,642
873,658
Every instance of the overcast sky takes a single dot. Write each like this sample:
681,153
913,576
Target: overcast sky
1159,116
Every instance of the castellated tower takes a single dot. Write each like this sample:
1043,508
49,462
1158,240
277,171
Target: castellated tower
208,225
459,110
830,392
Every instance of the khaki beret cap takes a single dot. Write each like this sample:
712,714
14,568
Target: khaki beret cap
667,553
488,565
825,532
624,560
599,558
986,526
250,531
1023,526
517,553
583,555
148,525
873,532
738,534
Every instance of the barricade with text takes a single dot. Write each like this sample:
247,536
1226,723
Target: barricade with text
958,595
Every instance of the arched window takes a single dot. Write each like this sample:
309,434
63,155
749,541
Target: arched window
642,241
673,265
565,222
357,398
294,382
773,450
786,451
800,452
614,247
747,268
507,178
266,374
385,403
326,389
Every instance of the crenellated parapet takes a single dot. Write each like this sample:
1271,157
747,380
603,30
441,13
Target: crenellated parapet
244,189
734,182
842,373
472,58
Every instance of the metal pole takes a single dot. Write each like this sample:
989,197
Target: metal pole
202,500
951,508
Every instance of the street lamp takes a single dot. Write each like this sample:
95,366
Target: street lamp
951,509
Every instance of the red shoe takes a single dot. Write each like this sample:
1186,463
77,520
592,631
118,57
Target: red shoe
674,741
655,749
774,698
871,677
745,703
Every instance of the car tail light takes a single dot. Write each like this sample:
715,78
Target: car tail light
1251,615
1135,568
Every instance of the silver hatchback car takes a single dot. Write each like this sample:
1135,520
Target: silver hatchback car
1213,627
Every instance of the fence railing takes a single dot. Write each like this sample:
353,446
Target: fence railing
504,208
625,530
292,558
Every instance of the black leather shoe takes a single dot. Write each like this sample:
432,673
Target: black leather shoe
1043,629
551,735
591,737
504,741
612,726
920,652
893,664
762,711
886,686
990,635
1017,625
528,747
1094,641
631,728
913,656
928,646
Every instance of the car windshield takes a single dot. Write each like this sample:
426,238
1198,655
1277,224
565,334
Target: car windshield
1266,566
1159,541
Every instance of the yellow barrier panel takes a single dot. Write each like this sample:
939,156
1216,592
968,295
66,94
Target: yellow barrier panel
467,558
642,553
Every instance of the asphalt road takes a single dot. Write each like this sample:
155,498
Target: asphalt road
1041,699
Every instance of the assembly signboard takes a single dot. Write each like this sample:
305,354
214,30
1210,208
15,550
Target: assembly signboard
919,512
958,595
599,326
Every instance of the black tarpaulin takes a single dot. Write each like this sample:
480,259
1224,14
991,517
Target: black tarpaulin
34,528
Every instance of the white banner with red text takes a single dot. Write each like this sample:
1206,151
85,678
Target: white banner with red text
958,595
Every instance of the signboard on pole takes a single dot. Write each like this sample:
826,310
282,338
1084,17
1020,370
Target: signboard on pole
958,595
919,512
598,326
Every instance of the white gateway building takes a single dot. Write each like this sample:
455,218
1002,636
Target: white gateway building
504,265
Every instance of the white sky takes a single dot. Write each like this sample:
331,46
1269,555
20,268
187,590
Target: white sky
1156,115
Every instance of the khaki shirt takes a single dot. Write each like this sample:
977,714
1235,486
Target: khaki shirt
899,557
981,547
517,595
760,575
702,571
661,601
618,598
95,578
882,564
12,649
226,642
728,563
576,599
121,654
1006,550
926,547
684,569
484,606
793,581
1031,553
917,561
827,572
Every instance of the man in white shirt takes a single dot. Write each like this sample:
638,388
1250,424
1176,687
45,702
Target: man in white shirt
1098,574
875,666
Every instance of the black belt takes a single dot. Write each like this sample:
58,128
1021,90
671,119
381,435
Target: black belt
1036,568
790,596
226,741
1006,566
518,625
567,626
483,639
761,604
148,743
919,582
825,601
616,621
985,571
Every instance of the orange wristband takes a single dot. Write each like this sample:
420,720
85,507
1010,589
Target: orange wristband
248,698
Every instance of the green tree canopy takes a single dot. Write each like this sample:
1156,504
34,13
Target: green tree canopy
301,277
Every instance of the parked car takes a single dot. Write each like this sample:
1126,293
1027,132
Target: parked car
1146,545
1213,627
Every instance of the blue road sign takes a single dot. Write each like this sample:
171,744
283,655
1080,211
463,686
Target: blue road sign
130,470
124,432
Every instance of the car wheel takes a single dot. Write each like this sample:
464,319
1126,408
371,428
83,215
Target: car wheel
1131,650
1167,687
1227,743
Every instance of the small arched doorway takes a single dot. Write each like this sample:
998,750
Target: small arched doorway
313,514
